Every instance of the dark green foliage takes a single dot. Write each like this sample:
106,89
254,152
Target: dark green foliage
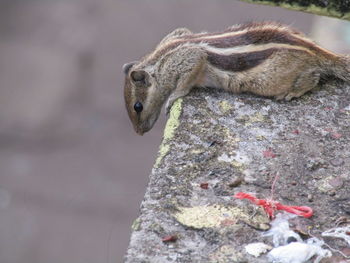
341,6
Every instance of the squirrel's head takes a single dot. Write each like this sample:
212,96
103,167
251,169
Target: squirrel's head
143,100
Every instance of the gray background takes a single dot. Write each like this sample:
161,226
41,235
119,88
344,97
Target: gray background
72,170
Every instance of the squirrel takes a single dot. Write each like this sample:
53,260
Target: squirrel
262,58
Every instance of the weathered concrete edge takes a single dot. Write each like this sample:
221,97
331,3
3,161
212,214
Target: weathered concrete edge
164,196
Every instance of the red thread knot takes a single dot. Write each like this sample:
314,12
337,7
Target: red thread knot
271,206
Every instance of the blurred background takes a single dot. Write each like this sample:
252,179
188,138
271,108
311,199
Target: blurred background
72,170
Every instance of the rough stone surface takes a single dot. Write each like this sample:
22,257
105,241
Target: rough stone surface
217,144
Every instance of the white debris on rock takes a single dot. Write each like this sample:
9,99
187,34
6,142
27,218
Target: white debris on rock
280,230
298,252
258,248
338,232
289,247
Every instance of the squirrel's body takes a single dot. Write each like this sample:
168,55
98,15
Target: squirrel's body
266,58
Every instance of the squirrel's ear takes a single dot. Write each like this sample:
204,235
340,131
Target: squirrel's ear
127,67
140,77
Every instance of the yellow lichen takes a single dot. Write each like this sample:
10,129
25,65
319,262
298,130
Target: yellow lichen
257,117
197,151
226,254
238,165
229,137
225,107
163,150
324,184
260,137
136,225
216,216
206,216
170,127
173,121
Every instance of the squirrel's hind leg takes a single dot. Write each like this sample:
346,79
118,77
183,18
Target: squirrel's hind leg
305,82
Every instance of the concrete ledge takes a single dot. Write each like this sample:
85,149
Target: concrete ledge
230,143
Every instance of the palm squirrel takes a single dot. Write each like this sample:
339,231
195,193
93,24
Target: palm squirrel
266,58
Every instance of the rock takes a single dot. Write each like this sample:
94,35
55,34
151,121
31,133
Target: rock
256,143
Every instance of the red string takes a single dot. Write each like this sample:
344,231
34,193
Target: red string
270,206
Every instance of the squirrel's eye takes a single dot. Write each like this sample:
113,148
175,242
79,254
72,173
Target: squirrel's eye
138,107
